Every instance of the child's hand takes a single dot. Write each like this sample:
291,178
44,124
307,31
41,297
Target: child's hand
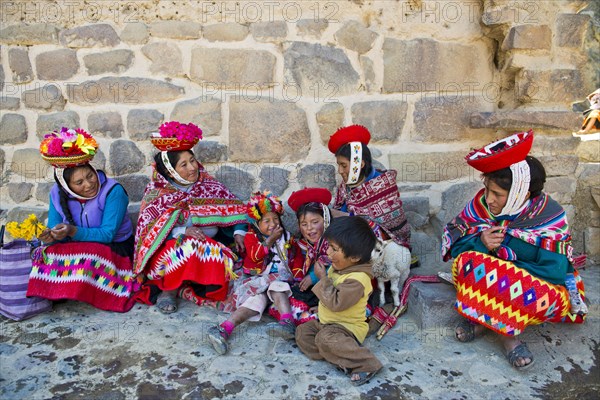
305,283
313,310
195,232
274,236
320,270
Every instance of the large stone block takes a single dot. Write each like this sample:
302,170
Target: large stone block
135,33
123,90
48,98
290,141
13,129
559,164
225,32
29,35
444,118
175,29
107,124
114,61
317,175
525,120
9,103
528,37
354,36
166,58
56,64
592,241
430,71
134,186
430,167
142,123
329,119
310,27
431,306
241,183
1,78
417,204
236,69
551,145
20,213
319,71
19,192
42,191
571,28
202,111
454,200
125,158
272,31
384,119
274,179
210,152
559,85
97,35
561,188
2,159
588,151
99,161
369,71
29,164
54,122
18,61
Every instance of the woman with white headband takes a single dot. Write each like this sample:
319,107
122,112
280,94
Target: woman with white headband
512,251
183,214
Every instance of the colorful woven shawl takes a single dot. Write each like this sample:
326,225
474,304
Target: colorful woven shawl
313,253
543,223
208,203
379,201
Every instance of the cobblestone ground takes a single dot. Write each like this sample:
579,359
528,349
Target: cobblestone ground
79,352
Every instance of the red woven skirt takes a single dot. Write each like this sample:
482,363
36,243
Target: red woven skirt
505,298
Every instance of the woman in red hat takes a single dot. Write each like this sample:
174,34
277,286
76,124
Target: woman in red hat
365,191
512,250
90,243
183,210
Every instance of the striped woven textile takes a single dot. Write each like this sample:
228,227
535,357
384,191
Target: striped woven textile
506,298
89,272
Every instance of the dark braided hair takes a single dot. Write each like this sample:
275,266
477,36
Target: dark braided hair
62,193
503,177
344,151
173,159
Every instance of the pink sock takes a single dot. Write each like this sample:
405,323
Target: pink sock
285,318
228,326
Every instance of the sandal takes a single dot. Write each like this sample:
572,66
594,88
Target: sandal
468,331
520,351
364,377
166,303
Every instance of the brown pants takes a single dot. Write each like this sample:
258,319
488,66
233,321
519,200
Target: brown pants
337,345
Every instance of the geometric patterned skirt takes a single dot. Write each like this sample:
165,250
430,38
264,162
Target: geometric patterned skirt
505,298
201,268
90,272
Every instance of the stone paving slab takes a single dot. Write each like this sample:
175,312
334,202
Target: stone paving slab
78,352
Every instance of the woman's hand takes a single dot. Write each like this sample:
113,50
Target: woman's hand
195,232
46,236
320,270
61,231
492,238
305,283
239,243
337,213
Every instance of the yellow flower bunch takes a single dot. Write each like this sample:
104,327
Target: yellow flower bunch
30,228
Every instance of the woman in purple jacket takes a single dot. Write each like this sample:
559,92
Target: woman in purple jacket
89,249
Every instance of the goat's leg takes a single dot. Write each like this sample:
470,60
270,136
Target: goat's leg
394,286
381,285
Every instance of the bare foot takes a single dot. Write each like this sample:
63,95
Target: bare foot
467,332
520,358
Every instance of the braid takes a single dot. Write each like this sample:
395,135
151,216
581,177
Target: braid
64,205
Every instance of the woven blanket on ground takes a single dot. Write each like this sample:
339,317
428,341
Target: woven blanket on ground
203,266
208,203
505,298
89,272
542,223
379,201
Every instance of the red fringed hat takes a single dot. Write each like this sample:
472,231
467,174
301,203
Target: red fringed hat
352,133
309,195
175,136
502,153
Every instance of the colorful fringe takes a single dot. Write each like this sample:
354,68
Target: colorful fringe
506,298
88,272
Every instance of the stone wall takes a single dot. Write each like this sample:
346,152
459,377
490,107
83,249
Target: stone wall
268,82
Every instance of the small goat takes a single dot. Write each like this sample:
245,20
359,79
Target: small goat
391,262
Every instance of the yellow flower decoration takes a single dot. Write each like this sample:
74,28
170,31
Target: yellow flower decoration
29,229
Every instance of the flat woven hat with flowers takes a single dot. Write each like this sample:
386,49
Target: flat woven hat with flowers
262,203
175,136
68,148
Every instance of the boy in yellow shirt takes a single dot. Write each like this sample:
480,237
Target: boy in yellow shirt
343,293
